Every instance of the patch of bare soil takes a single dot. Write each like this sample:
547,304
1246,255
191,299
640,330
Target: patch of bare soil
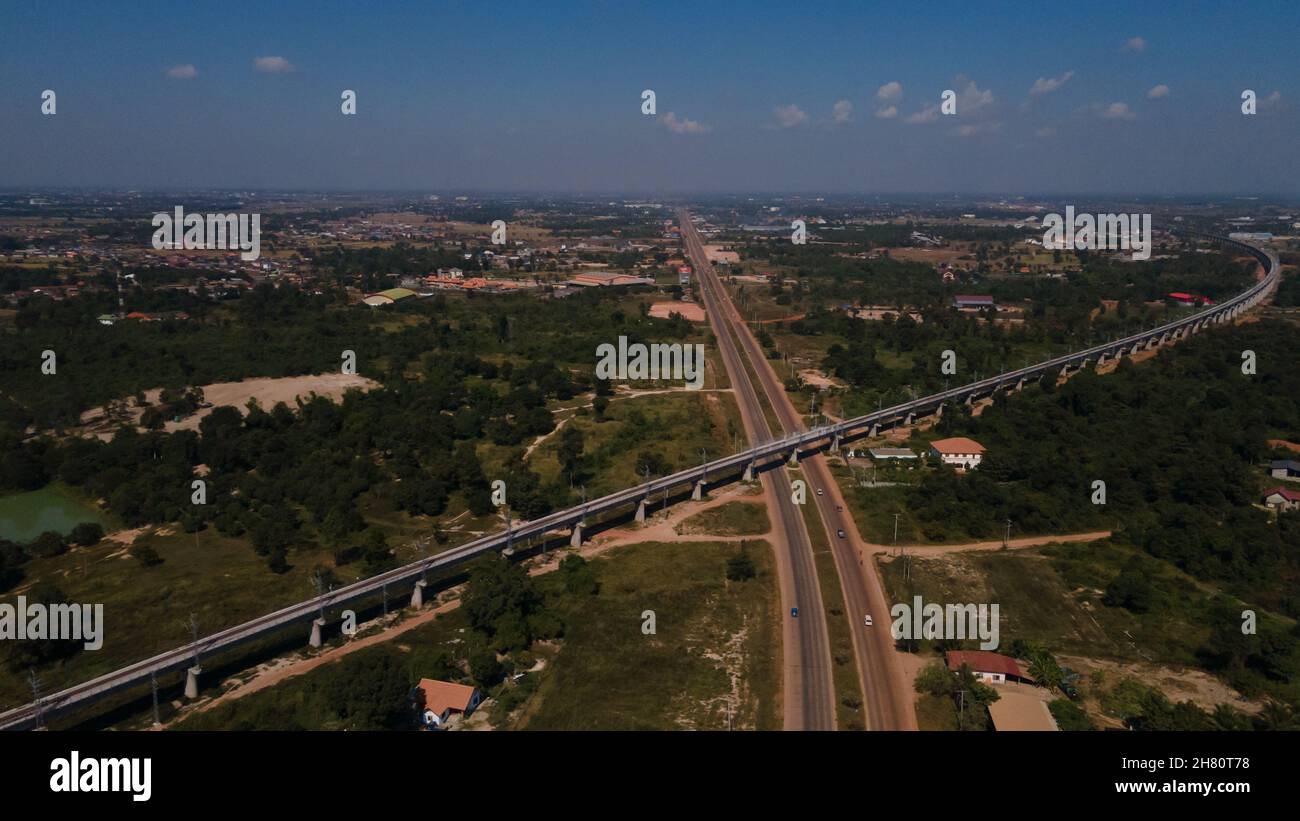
1178,684
268,391
691,311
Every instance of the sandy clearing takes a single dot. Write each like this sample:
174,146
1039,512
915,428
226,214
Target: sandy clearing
1179,684
266,390
691,311
818,379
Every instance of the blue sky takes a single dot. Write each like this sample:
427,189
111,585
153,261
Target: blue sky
546,96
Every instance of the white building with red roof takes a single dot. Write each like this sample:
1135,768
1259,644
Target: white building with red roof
958,451
988,667
1282,498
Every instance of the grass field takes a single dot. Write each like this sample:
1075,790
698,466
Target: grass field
673,425
1054,595
716,643
730,519
220,580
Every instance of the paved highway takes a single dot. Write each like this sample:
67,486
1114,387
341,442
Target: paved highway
884,689
809,693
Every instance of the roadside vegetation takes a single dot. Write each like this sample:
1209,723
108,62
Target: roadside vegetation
565,650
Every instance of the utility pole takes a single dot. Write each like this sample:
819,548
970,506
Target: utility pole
1007,536
35,682
896,533
194,636
318,582
153,683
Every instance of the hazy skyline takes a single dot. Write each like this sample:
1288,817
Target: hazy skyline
770,97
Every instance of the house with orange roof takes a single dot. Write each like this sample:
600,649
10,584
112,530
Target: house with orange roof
958,451
440,702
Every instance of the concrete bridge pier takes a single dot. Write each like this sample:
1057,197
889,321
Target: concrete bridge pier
794,457
316,625
576,539
875,430
192,682
970,400
697,490
1020,384
417,595
640,511
909,419
835,444
749,473
939,410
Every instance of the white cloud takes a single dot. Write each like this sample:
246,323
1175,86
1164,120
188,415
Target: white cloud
1135,45
1046,131
842,112
1046,85
788,116
971,98
1271,100
926,115
1116,111
888,112
682,125
272,65
182,72
1158,91
975,129
890,91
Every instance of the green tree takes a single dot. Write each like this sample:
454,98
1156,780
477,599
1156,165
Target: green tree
86,534
740,567
570,449
579,578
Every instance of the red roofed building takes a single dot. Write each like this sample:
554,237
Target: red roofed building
1282,498
1183,298
988,667
959,451
441,700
